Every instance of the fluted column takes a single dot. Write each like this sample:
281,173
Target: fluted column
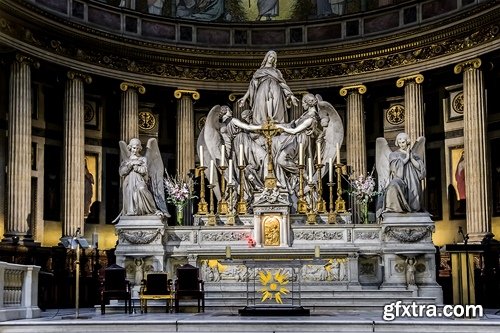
129,117
355,136
74,153
477,191
414,105
237,109
185,130
19,149
297,110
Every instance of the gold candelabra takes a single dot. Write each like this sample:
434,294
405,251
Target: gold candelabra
242,205
211,214
223,207
332,215
202,204
301,203
320,204
311,212
339,203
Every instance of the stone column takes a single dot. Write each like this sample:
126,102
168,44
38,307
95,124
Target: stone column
19,150
185,130
297,110
129,117
414,105
477,191
74,154
355,136
233,97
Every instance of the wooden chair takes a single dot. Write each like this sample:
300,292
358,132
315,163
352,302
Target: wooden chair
156,286
115,286
189,286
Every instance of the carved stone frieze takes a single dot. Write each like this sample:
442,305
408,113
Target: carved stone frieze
366,235
407,234
334,270
318,235
179,237
139,236
224,236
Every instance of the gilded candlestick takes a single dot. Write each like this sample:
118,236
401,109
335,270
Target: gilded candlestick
301,203
223,207
311,212
321,204
211,214
242,204
339,203
202,204
332,216
230,215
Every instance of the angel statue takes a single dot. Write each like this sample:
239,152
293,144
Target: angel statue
142,186
400,174
319,126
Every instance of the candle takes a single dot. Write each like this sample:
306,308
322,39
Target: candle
222,155
241,155
301,154
309,162
318,151
228,252
316,252
230,171
330,170
338,153
211,172
201,156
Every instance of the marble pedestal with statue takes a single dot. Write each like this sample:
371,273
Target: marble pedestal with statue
140,247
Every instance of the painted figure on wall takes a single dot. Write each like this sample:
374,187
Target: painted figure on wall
267,9
460,177
88,189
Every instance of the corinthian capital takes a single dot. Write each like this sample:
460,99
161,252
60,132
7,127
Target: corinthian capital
417,78
467,65
179,92
124,86
359,88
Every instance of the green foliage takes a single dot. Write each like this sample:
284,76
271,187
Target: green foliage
303,9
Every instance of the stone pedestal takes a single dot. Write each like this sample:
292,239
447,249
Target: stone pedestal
406,236
140,247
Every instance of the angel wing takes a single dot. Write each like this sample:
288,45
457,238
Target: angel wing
419,148
155,172
124,152
382,152
333,130
211,140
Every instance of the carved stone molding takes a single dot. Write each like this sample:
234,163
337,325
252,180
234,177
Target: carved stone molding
72,75
466,65
124,86
359,88
140,236
366,235
407,234
318,235
224,236
417,78
179,92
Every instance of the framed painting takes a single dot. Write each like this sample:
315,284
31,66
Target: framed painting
456,188
91,205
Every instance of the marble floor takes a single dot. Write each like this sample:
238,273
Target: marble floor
91,320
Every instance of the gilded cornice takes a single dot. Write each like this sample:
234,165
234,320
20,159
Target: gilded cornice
114,53
124,86
417,78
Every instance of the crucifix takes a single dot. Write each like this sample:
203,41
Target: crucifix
269,130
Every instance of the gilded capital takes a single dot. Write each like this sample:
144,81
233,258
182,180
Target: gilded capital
21,58
233,96
466,65
359,88
124,86
179,92
417,78
72,75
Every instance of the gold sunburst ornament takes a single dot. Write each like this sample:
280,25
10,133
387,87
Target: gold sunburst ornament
273,285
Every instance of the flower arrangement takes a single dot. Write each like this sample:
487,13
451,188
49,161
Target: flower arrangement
178,193
250,241
363,191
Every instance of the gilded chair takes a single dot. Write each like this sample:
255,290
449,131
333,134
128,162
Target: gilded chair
156,286
189,286
115,286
